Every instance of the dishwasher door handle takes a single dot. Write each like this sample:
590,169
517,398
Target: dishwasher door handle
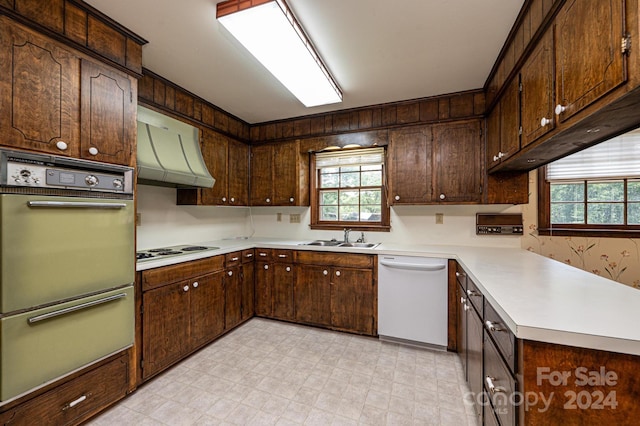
412,266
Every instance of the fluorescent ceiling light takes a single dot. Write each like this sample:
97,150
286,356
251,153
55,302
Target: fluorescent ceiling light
270,32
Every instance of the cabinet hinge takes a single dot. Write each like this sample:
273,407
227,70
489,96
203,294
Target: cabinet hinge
520,87
520,130
625,45
142,364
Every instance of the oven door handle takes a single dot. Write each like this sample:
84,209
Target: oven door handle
76,204
75,308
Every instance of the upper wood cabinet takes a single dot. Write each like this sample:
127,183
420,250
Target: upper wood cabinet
108,105
436,164
538,83
39,92
410,167
279,175
504,126
589,59
228,162
54,100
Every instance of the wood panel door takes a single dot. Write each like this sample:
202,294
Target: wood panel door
510,120
411,165
262,175
493,137
461,326
215,149
353,300
238,173
39,92
312,294
458,162
538,84
165,326
475,376
282,296
248,291
108,110
590,62
285,174
207,308
232,296
263,289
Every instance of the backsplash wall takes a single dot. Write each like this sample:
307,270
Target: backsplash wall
614,258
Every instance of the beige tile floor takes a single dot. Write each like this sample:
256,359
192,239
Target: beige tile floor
273,373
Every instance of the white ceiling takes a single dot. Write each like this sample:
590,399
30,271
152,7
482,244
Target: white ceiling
378,50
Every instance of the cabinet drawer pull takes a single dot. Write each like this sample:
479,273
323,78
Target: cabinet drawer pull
282,255
75,402
473,293
262,254
460,274
492,387
560,109
492,326
249,255
234,259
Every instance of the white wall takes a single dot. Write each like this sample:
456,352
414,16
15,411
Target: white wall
164,223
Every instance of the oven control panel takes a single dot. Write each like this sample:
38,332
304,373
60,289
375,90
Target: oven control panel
42,171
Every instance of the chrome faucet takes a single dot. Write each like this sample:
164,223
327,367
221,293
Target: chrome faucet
346,235
361,239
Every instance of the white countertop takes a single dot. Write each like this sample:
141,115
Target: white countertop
539,298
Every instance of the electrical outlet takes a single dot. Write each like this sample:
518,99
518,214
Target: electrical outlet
294,218
278,217
439,218
138,219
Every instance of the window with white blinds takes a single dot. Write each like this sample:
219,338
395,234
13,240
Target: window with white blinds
597,188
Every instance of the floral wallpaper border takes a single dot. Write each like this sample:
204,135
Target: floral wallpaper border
614,258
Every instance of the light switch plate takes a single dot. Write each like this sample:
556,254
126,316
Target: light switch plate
294,218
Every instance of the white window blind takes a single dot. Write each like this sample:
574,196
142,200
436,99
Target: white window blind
616,158
350,158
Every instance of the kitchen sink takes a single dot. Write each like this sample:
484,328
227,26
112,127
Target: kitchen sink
334,243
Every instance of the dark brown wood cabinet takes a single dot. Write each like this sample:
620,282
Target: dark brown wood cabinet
538,84
233,290
274,281
263,283
228,162
108,101
504,125
282,294
337,290
589,63
410,168
75,400
279,175
248,286
55,100
40,92
183,308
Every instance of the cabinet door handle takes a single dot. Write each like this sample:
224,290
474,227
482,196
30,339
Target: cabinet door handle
233,200
492,387
230,273
75,402
466,307
268,200
266,266
337,273
185,288
442,196
492,326
288,268
545,121
325,272
397,198
463,300
291,200
195,284
224,199
62,146
460,274
473,293
93,150
560,109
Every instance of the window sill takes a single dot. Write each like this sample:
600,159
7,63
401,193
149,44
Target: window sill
589,232
352,226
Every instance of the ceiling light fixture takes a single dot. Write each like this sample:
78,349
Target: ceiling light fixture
270,32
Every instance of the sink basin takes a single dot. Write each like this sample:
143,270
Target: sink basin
323,243
359,245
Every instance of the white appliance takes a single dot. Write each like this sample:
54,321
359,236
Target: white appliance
412,300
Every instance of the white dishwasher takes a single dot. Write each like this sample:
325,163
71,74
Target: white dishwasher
412,300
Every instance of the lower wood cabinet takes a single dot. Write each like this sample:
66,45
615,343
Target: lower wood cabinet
274,281
183,308
75,400
312,295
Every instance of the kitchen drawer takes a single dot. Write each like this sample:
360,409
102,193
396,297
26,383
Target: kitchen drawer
334,259
75,400
284,256
500,333
232,259
157,277
475,296
248,255
263,254
498,377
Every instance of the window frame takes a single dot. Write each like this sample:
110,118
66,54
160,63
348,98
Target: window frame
545,227
384,225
